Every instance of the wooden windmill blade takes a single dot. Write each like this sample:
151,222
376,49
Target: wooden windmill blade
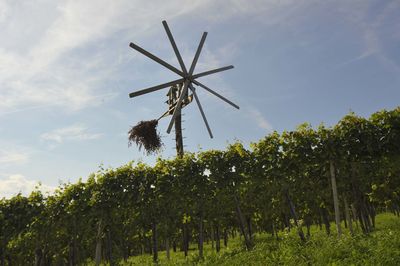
202,74
178,105
201,110
186,84
197,55
172,41
155,58
215,93
155,88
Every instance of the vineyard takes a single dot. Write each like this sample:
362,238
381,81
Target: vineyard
334,179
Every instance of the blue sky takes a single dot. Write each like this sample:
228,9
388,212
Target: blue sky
66,71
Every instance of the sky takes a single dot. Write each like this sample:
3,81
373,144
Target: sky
66,70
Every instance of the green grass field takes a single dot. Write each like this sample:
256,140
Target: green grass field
382,247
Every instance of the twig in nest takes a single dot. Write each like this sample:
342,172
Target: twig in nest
145,135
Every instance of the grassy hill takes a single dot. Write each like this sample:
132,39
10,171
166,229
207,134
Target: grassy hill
382,247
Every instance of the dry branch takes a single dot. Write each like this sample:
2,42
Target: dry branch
145,135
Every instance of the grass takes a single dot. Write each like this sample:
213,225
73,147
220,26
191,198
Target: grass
381,247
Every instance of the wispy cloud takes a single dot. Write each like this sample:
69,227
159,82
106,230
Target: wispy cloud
104,97
59,52
3,10
45,72
259,118
74,132
12,156
17,183
375,31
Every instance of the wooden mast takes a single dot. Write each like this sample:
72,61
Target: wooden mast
178,127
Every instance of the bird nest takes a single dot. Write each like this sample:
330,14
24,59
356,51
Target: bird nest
145,135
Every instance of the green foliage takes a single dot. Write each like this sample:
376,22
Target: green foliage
382,247
281,183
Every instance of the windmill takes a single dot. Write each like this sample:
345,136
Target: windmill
178,96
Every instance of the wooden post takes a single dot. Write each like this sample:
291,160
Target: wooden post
155,243
348,217
178,135
212,235
354,213
167,248
239,213
335,197
201,236
178,126
294,216
98,243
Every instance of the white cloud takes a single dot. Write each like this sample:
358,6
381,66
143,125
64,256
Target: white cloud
3,10
74,103
74,132
12,156
43,74
372,28
14,184
258,117
58,52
